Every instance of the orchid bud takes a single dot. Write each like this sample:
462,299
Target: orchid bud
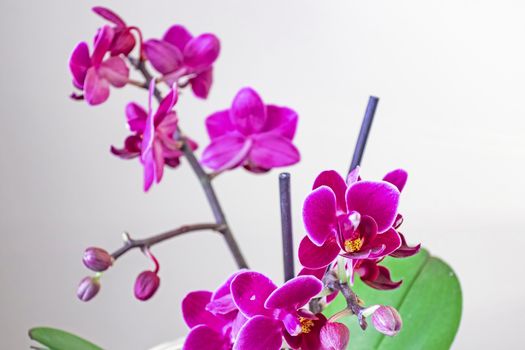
97,259
146,285
88,288
387,320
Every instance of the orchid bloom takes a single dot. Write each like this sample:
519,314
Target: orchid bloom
251,134
179,54
123,41
272,312
320,334
213,317
354,221
153,138
93,74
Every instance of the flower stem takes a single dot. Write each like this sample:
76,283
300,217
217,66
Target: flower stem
145,243
363,133
286,225
203,177
352,301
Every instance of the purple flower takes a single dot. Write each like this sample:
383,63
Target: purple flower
251,134
272,312
123,41
97,259
146,285
354,221
153,137
93,74
178,54
214,319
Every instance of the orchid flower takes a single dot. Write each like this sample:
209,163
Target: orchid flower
123,41
320,334
93,74
179,54
272,312
354,221
251,134
214,319
153,138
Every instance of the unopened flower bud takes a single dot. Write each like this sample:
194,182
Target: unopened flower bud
88,288
146,285
387,320
97,259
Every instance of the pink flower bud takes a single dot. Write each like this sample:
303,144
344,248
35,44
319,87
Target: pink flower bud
387,320
88,288
97,259
146,285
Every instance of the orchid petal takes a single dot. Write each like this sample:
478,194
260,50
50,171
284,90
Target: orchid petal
79,64
319,214
204,338
103,42
383,280
260,333
248,112
177,36
250,290
164,57
109,15
115,70
390,240
96,89
219,124
136,116
194,310
131,148
200,52
397,178
376,199
294,294
123,43
281,120
317,273
316,257
201,83
226,152
333,180
271,150
404,250
291,324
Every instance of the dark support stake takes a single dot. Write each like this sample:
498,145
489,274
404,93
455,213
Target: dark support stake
363,133
286,223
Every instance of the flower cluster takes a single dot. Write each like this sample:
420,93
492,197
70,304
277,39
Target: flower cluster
250,134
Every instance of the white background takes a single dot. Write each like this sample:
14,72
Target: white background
451,78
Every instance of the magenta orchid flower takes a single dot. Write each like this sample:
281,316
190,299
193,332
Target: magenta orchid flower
272,312
93,74
214,319
251,134
153,138
178,54
354,221
123,41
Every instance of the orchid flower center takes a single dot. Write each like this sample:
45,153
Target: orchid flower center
306,325
353,245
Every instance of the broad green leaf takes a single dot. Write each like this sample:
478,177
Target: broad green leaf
56,339
429,301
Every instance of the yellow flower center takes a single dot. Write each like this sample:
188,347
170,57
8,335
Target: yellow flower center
353,245
306,325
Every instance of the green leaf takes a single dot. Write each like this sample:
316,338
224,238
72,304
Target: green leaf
429,301
56,339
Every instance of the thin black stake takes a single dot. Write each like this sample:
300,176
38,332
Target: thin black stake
363,133
286,224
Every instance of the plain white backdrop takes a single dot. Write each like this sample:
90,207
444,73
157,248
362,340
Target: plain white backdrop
451,78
